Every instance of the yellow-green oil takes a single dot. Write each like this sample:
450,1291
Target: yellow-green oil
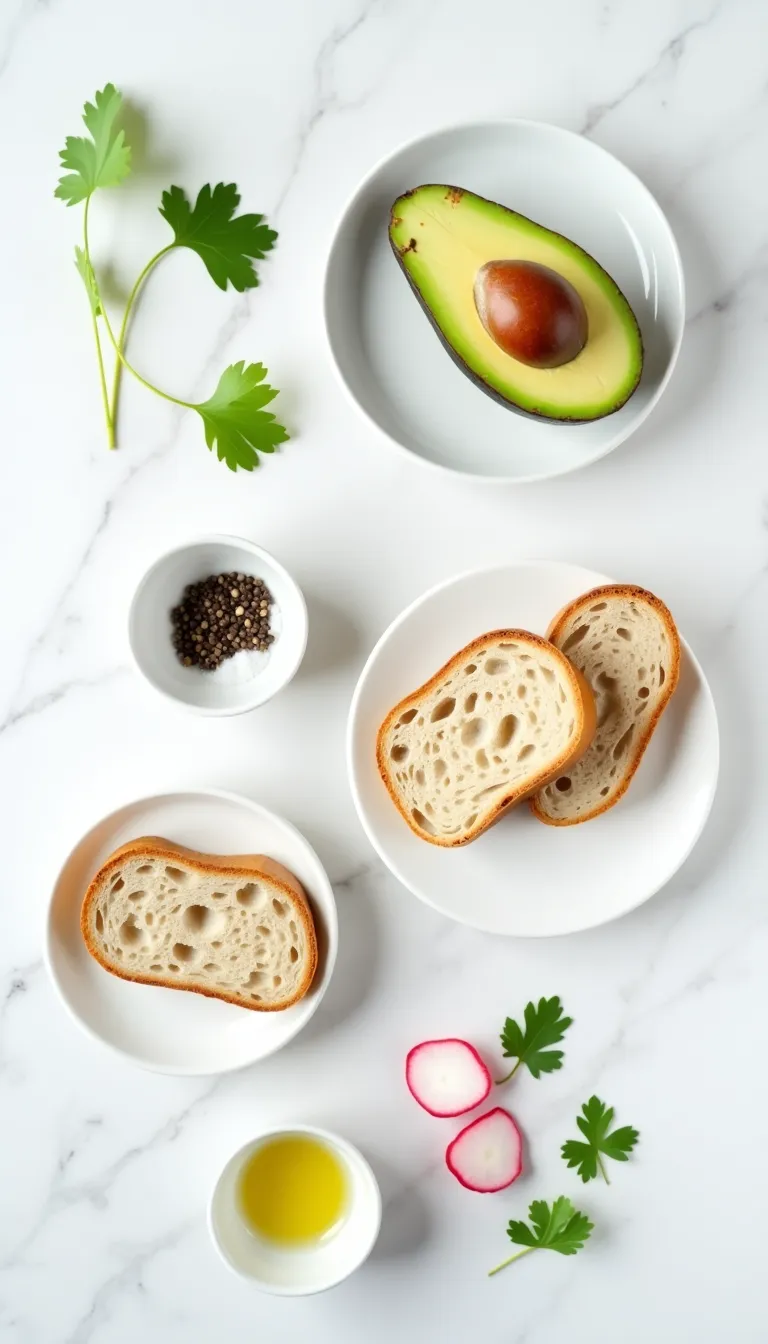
293,1190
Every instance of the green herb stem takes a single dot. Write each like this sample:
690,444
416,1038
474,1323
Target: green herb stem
117,377
506,1079
525,1251
603,1171
94,322
177,401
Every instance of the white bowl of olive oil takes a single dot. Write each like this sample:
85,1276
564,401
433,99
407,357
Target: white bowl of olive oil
296,1211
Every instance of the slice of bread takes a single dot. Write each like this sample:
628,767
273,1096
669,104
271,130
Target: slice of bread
624,641
235,928
504,716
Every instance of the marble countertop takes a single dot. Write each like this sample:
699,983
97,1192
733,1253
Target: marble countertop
104,1170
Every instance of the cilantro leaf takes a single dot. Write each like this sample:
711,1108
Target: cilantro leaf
561,1228
234,419
85,270
102,161
582,1156
544,1025
225,244
595,1123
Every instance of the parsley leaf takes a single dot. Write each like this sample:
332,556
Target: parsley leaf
225,244
561,1228
544,1025
102,161
234,419
594,1123
85,270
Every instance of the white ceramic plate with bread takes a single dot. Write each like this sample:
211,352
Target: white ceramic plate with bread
464,717
230,904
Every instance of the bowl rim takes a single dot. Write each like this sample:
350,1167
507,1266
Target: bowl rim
480,124
255,699
334,1140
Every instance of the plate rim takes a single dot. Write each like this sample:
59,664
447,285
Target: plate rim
352,777
479,125
181,1071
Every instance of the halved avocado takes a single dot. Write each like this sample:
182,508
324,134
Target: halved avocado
442,235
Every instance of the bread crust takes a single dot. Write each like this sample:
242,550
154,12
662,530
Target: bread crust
620,590
586,724
256,865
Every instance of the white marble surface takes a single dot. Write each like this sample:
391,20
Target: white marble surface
105,1171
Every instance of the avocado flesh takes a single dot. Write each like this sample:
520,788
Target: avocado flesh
441,237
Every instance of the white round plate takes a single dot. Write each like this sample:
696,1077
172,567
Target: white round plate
390,359
164,1029
523,877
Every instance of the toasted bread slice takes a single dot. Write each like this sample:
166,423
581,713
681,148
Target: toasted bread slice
624,641
504,716
237,928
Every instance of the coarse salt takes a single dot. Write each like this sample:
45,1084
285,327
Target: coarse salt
247,664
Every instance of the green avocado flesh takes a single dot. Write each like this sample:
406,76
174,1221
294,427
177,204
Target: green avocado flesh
441,237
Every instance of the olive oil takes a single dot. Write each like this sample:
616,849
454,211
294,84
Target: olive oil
293,1190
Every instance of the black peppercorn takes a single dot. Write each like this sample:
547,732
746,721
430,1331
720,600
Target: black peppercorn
218,617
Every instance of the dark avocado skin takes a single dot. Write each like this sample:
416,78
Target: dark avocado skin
461,364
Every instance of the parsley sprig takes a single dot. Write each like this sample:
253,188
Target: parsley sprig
234,419
595,1122
545,1025
561,1228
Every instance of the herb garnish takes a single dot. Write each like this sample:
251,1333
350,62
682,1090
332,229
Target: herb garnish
562,1228
544,1026
234,419
594,1123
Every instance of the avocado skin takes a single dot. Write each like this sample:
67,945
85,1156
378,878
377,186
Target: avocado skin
457,359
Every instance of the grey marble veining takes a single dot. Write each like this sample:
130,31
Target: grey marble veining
105,1171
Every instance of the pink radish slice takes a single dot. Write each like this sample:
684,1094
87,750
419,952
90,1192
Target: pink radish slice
488,1154
447,1077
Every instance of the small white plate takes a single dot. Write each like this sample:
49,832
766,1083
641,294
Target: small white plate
523,877
243,682
389,358
297,1272
165,1029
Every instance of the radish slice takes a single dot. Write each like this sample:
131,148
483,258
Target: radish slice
488,1154
447,1077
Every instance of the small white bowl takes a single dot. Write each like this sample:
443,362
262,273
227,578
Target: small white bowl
242,682
297,1272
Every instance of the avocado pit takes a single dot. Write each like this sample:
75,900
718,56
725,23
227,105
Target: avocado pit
531,312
